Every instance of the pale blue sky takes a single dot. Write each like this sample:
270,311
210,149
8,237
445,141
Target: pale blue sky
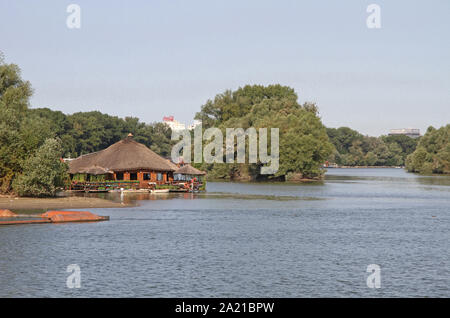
154,58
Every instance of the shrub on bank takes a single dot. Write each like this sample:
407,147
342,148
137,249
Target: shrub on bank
433,152
43,172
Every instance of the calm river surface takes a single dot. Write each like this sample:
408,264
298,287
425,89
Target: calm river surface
248,240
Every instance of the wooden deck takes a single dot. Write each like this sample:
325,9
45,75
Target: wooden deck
107,186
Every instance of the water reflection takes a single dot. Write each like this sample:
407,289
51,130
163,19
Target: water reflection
133,198
387,175
382,182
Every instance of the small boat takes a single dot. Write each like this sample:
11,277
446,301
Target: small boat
178,190
159,191
97,191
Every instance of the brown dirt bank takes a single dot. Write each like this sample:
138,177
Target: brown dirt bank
15,203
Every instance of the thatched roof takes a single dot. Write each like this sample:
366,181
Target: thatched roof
174,166
124,155
190,170
95,170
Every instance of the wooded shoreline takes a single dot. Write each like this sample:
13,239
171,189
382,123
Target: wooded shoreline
37,143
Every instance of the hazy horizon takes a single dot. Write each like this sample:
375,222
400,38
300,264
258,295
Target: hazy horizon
149,60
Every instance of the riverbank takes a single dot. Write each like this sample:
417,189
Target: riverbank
71,202
364,167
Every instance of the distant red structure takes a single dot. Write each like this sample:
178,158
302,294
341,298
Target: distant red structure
168,118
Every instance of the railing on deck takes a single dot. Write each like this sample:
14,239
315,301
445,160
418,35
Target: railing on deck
104,185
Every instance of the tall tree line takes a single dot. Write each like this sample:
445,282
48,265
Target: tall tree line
351,148
86,132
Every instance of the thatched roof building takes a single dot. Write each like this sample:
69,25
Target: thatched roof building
125,155
174,166
96,170
189,170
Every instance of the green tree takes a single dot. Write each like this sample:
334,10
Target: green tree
14,100
43,172
343,138
433,152
22,130
239,103
304,144
370,159
406,144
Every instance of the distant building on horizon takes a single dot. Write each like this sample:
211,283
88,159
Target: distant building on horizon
410,132
173,124
195,124
176,125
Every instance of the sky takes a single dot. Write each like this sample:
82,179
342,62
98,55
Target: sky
149,59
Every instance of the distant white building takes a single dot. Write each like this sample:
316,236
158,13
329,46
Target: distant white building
195,124
410,132
176,125
173,124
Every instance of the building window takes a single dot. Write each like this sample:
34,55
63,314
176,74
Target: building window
179,177
147,176
159,177
119,176
133,176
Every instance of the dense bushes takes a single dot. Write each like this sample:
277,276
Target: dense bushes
304,144
433,152
43,172
354,149
20,133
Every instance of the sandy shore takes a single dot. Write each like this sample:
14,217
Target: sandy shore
15,203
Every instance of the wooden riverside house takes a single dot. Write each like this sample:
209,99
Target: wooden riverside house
187,173
126,164
190,177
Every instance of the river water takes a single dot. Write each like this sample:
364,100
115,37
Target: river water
248,240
